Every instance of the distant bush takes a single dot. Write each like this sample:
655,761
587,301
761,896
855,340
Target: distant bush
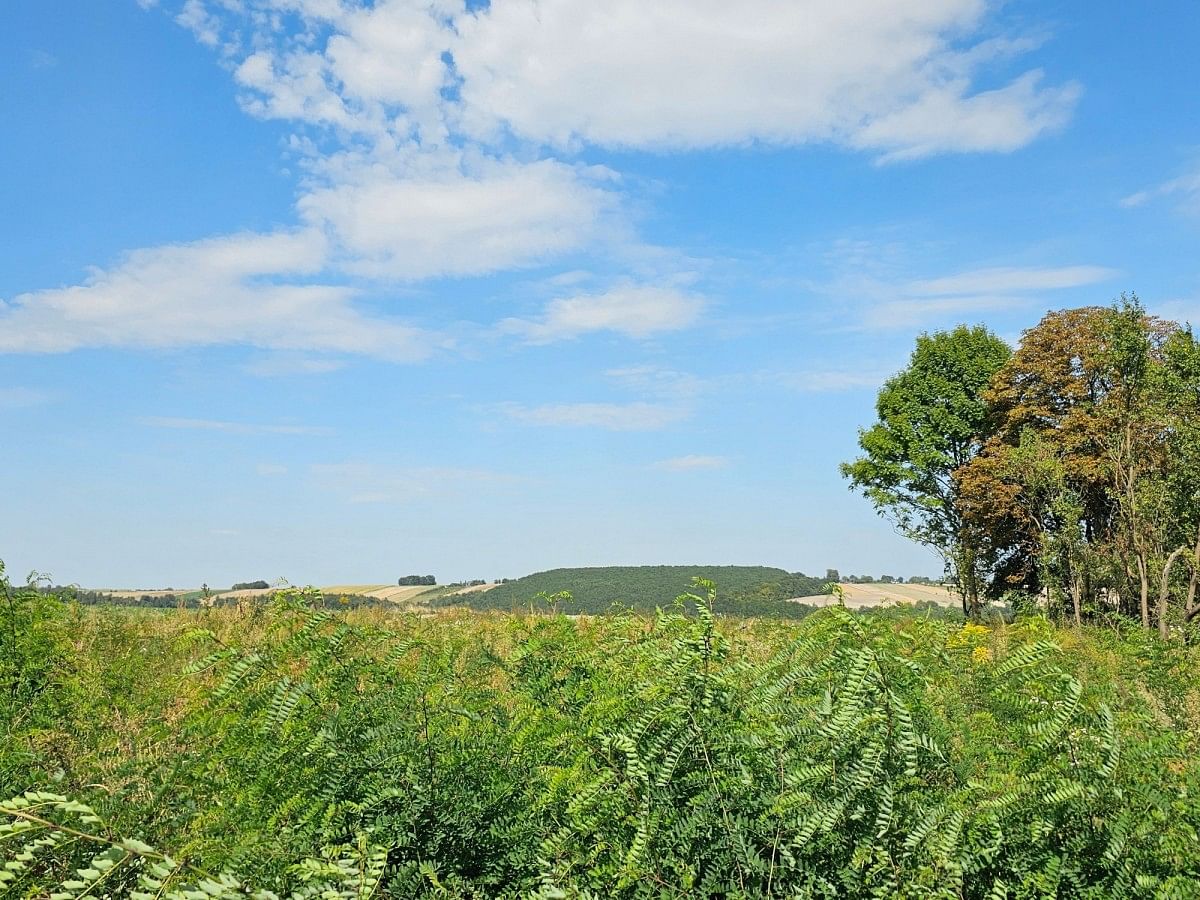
414,580
250,586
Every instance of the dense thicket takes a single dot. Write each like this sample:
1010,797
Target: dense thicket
312,753
760,590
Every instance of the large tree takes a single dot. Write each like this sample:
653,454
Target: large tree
1088,488
932,421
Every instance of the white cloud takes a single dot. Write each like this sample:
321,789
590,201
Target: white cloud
22,397
947,119
871,74
1186,187
636,311
909,313
1006,279
243,288
442,132
691,463
203,24
242,428
419,224
965,295
638,416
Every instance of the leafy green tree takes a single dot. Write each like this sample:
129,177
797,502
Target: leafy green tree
932,421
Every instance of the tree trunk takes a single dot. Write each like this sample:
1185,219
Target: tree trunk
1144,589
1164,590
1190,605
968,583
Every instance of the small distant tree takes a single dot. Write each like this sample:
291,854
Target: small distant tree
832,576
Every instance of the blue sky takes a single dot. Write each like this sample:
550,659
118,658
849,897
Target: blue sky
341,291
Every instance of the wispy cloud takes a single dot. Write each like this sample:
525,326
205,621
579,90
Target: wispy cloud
638,416
23,397
1010,279
42,59
1186,188
282,365
827,381
691,462
658,381
369,482
241,428
636,311
968,294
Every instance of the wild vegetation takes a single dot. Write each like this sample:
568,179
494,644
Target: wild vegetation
286,750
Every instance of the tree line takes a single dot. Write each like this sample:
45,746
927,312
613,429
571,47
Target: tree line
1067,469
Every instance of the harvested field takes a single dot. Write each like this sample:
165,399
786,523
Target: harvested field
363,590
861,595
475,588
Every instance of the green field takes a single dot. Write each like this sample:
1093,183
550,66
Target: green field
308,752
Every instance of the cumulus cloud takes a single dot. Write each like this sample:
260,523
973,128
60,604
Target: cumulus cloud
435,139
501,215
872,74
242,288
636,311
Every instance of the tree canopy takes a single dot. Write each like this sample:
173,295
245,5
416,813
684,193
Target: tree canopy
931,418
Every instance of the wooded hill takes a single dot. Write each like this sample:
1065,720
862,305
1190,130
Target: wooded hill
597,589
